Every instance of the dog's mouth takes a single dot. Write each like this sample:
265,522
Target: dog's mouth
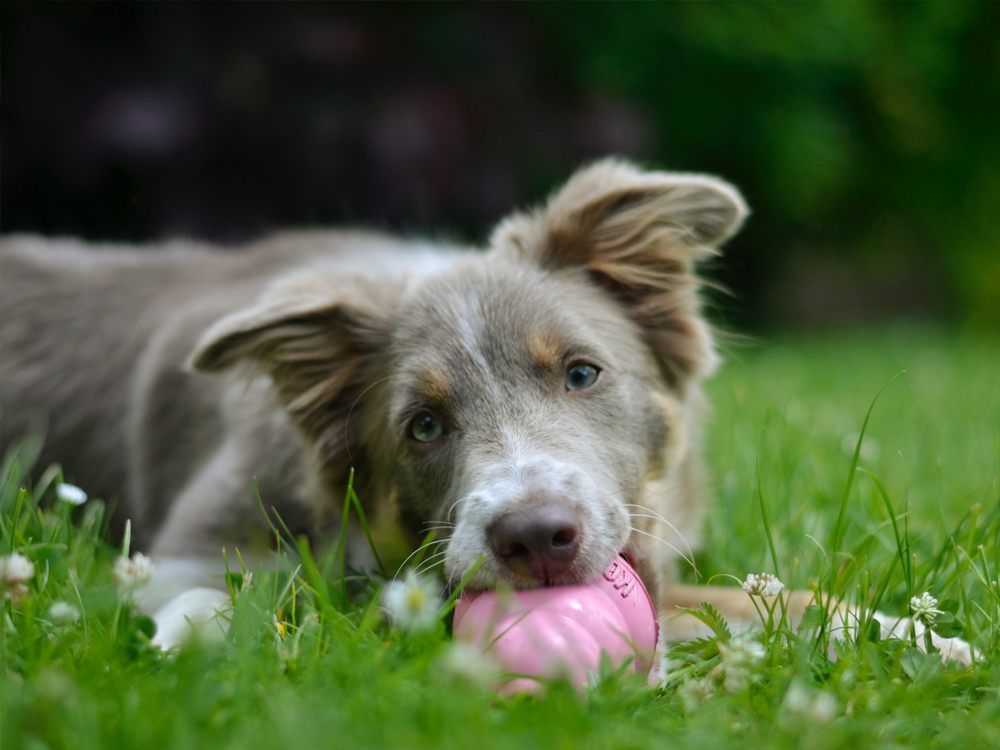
528,568
513,576
543,579
529,572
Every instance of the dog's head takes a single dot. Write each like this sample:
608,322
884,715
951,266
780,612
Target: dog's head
524,400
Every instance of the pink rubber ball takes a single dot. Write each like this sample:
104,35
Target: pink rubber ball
562,631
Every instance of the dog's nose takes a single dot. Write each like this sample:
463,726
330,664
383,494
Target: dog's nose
540,541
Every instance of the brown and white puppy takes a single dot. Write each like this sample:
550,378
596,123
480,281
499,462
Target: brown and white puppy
538,402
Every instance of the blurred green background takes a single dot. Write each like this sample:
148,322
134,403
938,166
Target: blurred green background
864,135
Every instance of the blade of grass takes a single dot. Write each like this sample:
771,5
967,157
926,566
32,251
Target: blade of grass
449,605
316,581
762,500
344,517
835,571
838,529
902,541
363,520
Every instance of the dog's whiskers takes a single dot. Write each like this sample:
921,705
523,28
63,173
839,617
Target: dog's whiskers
688,560
441,526
423,547
451,508
657,517
350,413
661,519
431,562
654,518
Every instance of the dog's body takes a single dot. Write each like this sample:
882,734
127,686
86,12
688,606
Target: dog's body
539,402
96,343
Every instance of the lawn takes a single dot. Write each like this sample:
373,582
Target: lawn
306,665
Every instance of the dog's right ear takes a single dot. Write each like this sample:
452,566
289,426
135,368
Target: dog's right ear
314,339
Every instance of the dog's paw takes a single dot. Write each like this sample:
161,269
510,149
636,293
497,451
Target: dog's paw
200,612
951,649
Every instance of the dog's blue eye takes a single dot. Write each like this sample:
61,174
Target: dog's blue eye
425,427
581,376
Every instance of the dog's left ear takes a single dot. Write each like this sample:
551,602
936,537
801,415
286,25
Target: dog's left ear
639,235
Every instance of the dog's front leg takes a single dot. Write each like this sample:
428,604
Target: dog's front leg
736,606
188,593
957,650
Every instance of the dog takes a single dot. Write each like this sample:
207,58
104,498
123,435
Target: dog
538,402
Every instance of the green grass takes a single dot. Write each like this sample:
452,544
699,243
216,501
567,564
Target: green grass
788,413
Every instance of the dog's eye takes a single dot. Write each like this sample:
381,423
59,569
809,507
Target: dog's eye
425,427
580,376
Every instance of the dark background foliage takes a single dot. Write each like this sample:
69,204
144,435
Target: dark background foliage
863,134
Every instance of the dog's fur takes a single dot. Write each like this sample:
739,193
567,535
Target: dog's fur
172,378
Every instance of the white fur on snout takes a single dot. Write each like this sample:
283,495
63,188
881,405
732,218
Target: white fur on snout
502,487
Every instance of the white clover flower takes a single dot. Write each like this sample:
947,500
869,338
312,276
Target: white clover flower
818,707
413,602
762,584
15,569
797,699
824,708
70,493
738,661
924,608
63,613
134,572
695,692
466,663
